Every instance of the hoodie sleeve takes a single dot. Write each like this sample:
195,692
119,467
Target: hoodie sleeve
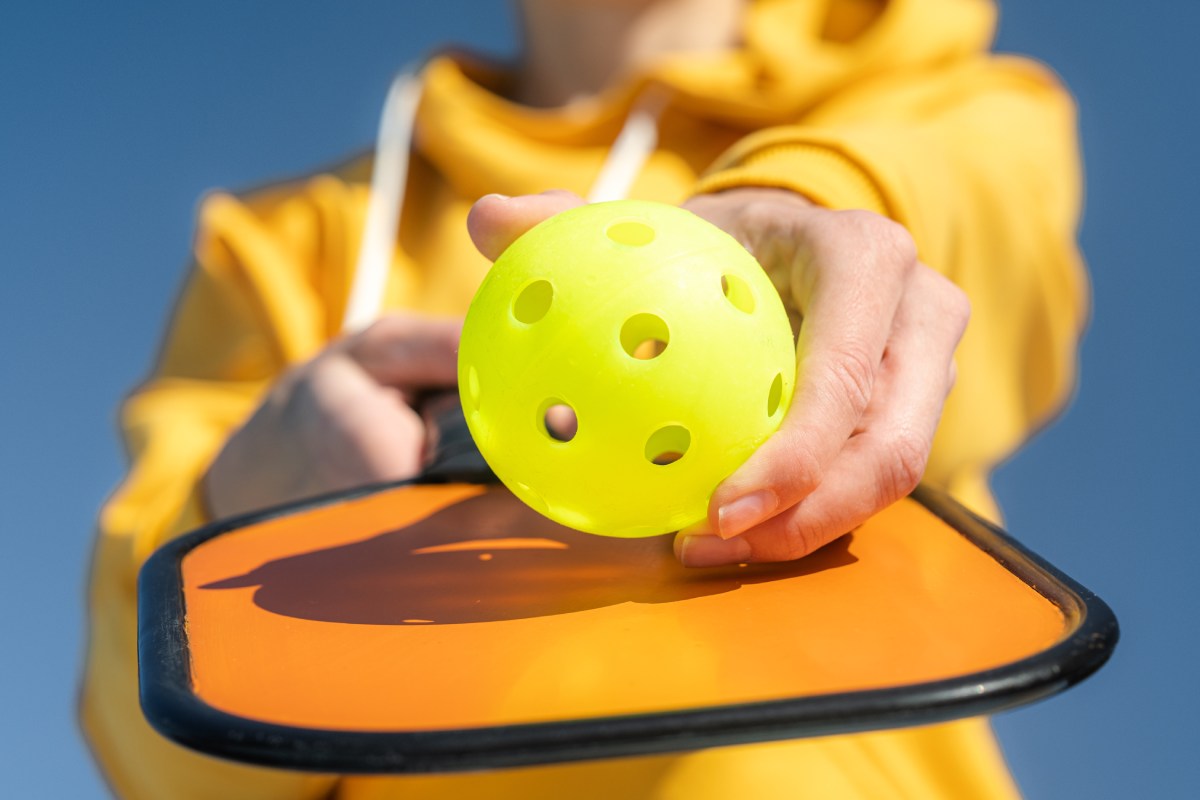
249,309
979,161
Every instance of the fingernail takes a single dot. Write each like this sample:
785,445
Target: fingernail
495,196
700,550
744,513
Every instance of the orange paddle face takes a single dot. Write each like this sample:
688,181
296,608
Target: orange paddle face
435,607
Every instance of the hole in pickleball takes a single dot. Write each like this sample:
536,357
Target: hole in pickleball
775,394
558,420
645,336
668,445
472,389
738,292
633,234
533,302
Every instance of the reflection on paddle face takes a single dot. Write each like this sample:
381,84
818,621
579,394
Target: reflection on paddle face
491,558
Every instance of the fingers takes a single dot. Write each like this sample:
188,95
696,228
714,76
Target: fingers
328,425
407,351
885,460
370,433
850,277
497,221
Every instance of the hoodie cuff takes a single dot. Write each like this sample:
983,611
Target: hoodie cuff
821,172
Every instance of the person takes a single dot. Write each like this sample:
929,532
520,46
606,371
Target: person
883,166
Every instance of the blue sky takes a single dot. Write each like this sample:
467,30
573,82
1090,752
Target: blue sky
115,119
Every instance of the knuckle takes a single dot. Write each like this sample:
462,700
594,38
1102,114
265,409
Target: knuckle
856,221
852,371
904,466
802,471
788,465
890,239
757,227
945,299
895,239
385,333
806,533
385,328
801,537
955,303
757,212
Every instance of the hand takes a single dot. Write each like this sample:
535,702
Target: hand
345,418
875,363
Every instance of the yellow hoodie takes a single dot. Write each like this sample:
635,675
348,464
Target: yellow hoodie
892,106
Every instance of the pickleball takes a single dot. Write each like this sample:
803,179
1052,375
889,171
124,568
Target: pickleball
619,361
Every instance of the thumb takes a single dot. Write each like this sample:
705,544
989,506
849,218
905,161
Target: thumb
497,221
408,352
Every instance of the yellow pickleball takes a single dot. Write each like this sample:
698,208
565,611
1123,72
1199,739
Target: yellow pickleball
663,336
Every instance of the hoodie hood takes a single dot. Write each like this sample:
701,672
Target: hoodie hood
798,52
794,55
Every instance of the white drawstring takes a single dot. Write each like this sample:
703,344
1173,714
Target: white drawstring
632,148
385,203
634,145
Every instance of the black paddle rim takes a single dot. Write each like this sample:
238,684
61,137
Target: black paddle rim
172,707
